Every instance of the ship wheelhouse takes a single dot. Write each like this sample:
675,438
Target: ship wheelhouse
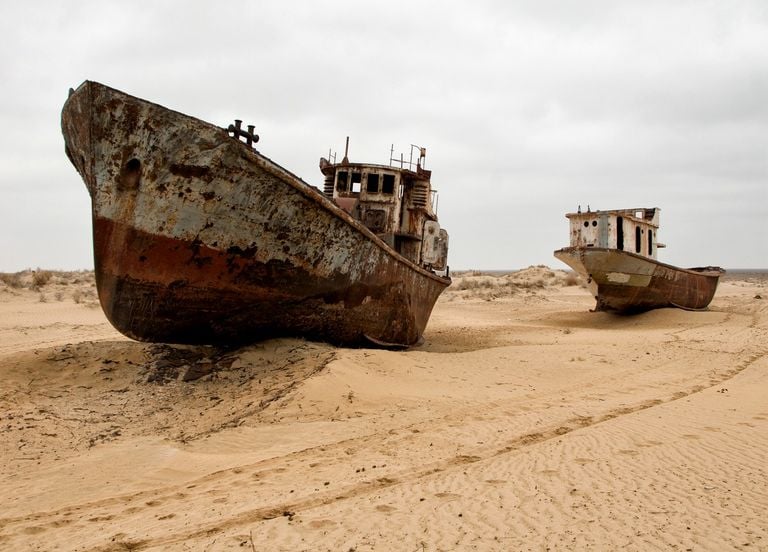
631,230
397,203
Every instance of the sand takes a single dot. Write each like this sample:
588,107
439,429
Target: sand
523,422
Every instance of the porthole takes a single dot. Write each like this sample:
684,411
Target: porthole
130,175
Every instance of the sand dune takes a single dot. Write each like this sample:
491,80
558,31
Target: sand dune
524,422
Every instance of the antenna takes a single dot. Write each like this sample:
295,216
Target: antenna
345,161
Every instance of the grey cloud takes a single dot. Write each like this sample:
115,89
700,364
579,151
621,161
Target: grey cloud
526,108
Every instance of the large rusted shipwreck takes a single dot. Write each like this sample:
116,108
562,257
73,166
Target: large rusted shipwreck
199,238
615,252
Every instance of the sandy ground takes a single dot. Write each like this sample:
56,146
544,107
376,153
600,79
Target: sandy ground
524,422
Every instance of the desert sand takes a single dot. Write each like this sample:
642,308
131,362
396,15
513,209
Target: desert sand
523,422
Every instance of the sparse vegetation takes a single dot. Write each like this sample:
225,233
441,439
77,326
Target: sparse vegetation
489,286
11,280
52,284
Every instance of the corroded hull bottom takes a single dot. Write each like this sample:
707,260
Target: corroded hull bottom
167,290
625,282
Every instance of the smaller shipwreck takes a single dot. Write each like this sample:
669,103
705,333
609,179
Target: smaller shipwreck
615,252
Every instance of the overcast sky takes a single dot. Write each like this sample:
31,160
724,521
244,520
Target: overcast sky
527,109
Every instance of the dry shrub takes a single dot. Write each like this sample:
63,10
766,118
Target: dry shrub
530,284
87,297
11,280
465,283
41,278
571,279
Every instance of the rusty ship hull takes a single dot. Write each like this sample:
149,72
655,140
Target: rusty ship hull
625,282
200,239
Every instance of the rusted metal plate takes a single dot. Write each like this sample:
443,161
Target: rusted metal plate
200,239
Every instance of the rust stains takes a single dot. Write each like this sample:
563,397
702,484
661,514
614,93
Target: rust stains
188,171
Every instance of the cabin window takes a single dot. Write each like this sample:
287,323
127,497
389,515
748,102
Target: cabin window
341,181
650,242
357,179
372,186
594,223
638,240
620,233
639,214
388,184
586,224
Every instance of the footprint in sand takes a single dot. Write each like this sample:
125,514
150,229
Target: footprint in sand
320,523
495,481
466,459
101,518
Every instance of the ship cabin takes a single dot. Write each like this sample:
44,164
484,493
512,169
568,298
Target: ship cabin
397,203
631,230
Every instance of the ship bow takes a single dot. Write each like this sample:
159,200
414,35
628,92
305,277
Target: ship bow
76,128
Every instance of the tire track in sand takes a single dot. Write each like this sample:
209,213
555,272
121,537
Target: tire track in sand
142,502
